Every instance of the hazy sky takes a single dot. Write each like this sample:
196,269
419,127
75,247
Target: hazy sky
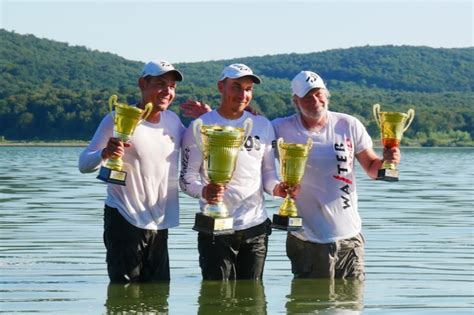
186,31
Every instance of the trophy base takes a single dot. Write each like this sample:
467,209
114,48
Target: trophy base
213,226
287,223
112,176
388,175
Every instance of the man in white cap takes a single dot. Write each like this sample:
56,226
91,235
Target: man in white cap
330,245
137,216
241,255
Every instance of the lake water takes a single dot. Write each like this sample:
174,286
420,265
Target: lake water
419,251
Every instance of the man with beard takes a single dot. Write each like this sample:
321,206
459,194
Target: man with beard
330,245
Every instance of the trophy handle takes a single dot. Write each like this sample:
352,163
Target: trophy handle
279,144
248,125
197,133
112,103
376,110
309,144
146,111
411,115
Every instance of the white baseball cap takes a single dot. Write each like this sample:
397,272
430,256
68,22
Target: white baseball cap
304,82
155,68
238,70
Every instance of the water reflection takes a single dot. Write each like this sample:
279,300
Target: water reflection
232,297
137,298
326,296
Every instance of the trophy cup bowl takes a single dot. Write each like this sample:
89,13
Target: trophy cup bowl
293,159
126,119
392,126
220,147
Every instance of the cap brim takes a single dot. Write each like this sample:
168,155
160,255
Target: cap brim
254,78
179,76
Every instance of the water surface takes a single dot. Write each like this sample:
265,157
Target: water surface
419,251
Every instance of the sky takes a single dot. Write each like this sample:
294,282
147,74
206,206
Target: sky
197,30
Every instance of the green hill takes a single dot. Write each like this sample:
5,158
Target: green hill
54,91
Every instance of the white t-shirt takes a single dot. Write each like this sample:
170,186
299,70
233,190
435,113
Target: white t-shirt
150,198
254,172
327,201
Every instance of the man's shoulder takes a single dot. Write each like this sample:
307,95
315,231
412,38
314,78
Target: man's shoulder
343,116
283,121
171,115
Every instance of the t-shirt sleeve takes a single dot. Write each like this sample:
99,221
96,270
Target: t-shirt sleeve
269,174
191,161
90,158
363,141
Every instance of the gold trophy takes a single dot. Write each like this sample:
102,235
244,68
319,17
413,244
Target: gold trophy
293,159
392,126
220,147
126,119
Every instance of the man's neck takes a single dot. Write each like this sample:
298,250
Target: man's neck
154,116
229,114
314,124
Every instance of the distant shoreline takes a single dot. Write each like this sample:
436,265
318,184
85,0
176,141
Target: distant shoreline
44,144
78,143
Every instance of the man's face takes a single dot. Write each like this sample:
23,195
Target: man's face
314,104
236,94
159,90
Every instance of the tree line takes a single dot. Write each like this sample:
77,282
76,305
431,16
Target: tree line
53,91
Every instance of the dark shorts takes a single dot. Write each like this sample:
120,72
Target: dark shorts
341,259
237,256
134,254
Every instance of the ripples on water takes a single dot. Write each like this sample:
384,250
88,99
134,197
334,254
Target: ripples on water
419,252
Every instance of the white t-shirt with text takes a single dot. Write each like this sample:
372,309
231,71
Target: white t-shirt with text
327,201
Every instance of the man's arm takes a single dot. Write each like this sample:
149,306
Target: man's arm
195,109
371,163
191,161
94,154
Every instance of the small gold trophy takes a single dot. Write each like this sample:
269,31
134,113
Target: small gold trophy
392,126
126,119
293,159
220,147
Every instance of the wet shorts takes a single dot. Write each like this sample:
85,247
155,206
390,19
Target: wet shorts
134,254
341,259
237,256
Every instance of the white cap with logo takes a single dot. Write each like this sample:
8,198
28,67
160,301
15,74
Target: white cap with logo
304,82
238,70
156,68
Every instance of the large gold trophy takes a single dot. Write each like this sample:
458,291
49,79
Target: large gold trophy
126,119
392,126
293,159
220,147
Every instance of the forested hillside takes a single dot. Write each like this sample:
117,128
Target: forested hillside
53,91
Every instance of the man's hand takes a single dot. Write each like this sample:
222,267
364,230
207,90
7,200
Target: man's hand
194,109
392,155
115,148
213,193
282,189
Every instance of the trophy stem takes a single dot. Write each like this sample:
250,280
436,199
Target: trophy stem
288,208
114,164
122,136
387,165
287,218
218,210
